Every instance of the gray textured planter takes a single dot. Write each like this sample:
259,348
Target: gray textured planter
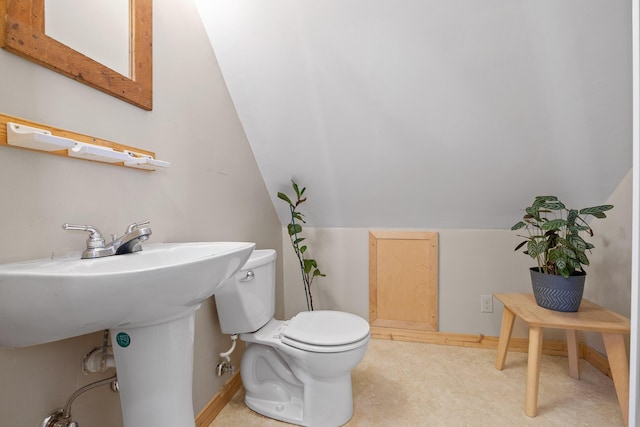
557,293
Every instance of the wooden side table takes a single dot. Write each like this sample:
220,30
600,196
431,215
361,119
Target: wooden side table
590,317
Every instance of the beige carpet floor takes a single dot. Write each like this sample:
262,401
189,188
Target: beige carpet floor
409,384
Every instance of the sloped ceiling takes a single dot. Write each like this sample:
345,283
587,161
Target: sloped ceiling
430,113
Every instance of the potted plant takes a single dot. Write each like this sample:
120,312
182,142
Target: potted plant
308,266
554,239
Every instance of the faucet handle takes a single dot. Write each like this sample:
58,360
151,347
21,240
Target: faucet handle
135,225
95,239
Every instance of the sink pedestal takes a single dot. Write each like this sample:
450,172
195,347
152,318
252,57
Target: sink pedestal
155,373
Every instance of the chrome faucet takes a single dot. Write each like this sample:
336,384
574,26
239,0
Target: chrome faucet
129,242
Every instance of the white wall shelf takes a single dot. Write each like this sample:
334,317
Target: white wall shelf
16,132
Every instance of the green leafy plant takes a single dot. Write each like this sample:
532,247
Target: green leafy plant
308,266
554,235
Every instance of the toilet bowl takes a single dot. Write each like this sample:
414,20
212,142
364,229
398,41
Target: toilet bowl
296,370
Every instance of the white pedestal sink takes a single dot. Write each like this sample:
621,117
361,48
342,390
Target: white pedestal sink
146,299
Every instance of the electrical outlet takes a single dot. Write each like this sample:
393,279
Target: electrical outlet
486,303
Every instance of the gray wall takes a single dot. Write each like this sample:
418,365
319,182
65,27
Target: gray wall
213,191
430,113
472,262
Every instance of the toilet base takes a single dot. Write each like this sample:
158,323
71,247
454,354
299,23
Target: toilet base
272,390
288,411
333,413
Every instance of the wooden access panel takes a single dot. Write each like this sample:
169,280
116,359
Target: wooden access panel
403,280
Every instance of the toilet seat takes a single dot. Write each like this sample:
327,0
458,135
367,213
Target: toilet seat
325,331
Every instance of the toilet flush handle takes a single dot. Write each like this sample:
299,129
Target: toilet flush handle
249,276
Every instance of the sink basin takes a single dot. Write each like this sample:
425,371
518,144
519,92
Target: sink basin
52,299
146,299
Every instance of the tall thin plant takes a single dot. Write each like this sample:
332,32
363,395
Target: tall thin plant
308,266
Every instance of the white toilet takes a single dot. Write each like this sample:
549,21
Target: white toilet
299,370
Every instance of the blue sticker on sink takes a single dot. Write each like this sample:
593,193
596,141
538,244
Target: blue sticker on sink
123,339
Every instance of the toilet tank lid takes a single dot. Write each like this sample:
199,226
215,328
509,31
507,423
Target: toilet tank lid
260,257
326,328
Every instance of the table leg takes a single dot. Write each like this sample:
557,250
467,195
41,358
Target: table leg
508,319
617,355
572,353
533,370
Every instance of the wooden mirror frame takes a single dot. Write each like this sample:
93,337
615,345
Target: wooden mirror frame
22,32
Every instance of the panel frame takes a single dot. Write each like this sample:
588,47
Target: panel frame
375,302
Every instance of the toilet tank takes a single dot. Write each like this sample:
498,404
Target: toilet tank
247,301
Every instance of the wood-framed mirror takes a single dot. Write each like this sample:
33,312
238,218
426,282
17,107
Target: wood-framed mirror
22,32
